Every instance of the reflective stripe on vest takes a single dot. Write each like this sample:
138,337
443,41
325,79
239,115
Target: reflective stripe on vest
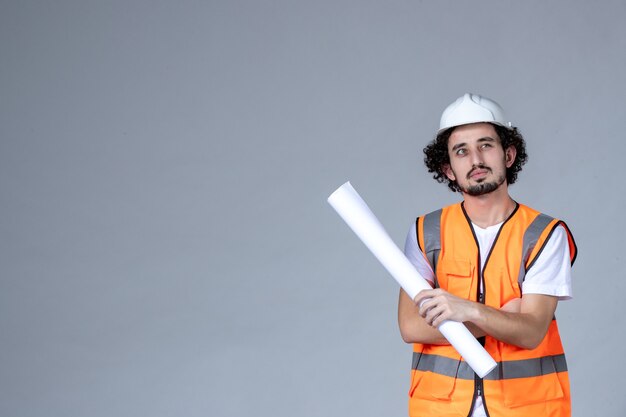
504,370
531,236
432,239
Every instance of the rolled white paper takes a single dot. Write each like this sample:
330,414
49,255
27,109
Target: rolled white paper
355,212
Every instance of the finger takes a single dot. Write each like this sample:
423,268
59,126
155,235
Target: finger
445,314
426,305
422,295
434,313
431,302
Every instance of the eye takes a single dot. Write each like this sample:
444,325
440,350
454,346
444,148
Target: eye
485,145
461,151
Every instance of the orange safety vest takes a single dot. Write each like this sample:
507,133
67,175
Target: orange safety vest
525,382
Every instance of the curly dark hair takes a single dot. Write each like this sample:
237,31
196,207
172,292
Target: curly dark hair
436,154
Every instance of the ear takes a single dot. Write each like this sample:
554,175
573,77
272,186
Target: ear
510,155
448,171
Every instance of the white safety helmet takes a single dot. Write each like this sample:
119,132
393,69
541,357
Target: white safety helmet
472,108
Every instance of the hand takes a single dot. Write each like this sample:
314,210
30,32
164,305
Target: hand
438,305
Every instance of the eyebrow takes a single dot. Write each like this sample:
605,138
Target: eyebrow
483,139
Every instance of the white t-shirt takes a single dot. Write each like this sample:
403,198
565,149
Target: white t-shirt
550,274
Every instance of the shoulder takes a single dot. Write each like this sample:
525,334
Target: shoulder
542,228
537,220
534,213
541,218
440,211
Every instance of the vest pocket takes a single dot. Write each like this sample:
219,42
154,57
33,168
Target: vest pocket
436,379
431,386
459,277
529,390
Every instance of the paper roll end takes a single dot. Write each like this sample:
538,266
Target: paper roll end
344,186
486,369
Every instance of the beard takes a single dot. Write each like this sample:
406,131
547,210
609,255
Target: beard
482,188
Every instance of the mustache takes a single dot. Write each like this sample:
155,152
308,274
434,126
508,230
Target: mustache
476,167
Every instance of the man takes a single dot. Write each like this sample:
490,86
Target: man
496,265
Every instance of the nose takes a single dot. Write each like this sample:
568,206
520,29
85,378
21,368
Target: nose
476,158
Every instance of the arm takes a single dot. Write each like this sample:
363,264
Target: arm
415,329
525,328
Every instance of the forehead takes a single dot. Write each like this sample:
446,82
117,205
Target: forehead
472,133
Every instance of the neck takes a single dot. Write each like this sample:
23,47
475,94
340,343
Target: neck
489,209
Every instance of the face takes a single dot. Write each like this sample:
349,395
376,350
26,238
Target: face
477,161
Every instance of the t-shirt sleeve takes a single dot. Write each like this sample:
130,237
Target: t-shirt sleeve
415,255
551,272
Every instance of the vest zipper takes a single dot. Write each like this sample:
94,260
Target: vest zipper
478,382
480,296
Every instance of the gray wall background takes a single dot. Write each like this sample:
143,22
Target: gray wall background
167,248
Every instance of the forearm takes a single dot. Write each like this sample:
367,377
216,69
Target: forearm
414,329
522,329
521,322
